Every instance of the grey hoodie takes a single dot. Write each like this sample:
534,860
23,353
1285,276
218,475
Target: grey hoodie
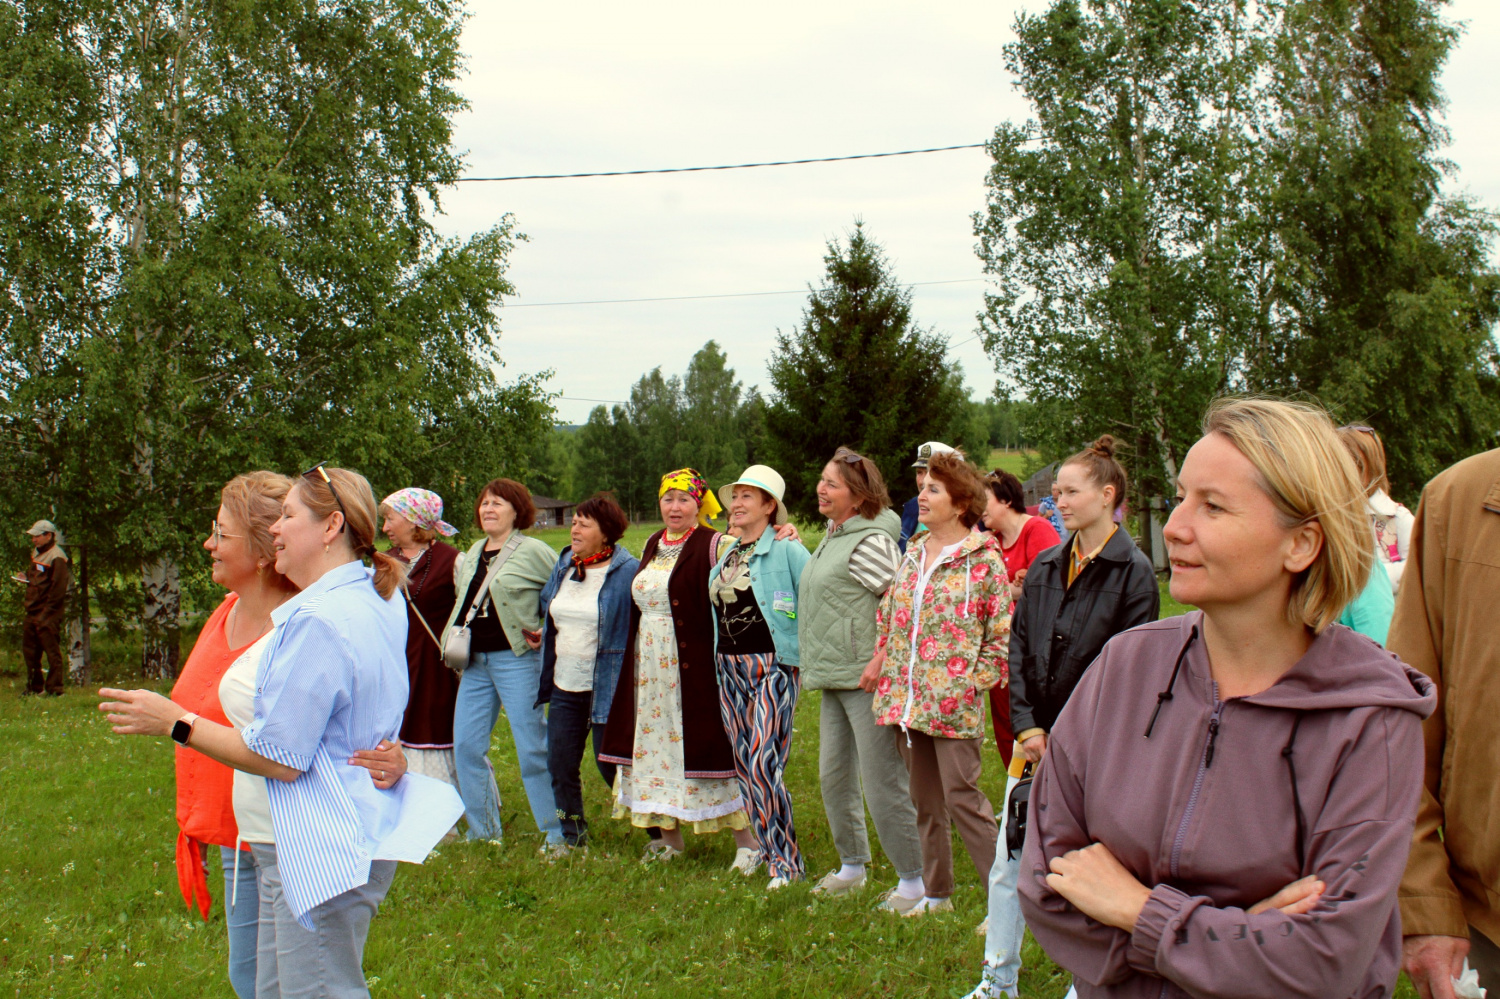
1222,805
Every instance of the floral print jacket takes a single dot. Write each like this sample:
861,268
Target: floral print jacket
939,664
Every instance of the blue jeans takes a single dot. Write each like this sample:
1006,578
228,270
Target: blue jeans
568,729
494,680
242,916
1002,943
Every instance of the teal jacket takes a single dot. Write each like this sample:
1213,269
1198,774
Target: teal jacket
775,575
1370,612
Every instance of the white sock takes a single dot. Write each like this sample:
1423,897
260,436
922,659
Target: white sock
851,872
911,887
935,901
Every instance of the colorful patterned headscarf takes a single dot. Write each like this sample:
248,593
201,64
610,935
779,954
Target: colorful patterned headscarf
422,507
696,486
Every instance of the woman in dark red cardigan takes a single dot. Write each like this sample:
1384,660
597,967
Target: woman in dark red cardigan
665,729
413,521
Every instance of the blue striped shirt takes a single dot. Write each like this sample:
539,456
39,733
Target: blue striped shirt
332,682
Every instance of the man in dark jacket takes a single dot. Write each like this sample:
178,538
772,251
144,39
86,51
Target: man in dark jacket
46,602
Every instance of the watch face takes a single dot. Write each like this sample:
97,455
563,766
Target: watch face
180,731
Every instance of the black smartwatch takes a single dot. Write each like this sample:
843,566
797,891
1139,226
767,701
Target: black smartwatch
182,729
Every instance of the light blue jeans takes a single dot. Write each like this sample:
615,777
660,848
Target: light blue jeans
1002,944
494,680
242,917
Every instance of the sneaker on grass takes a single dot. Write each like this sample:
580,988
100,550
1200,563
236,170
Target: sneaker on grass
746,861
894,901
659,851
833,886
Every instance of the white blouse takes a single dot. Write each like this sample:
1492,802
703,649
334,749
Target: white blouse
575,611
252,802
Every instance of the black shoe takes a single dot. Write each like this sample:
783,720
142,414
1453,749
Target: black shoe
54,693
28,692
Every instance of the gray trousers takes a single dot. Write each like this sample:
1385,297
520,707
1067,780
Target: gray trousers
328,961
855,753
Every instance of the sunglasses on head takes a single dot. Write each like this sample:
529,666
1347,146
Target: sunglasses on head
844,454
319,474
1358,428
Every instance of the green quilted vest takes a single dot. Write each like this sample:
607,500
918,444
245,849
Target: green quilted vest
836,622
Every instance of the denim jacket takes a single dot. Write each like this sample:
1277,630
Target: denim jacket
775,572
614,628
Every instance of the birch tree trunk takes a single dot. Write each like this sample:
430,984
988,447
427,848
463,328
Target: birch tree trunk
80,655
161,589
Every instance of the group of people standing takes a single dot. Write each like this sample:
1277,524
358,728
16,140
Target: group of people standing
1140,866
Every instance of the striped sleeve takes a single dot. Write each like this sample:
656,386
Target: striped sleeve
873,563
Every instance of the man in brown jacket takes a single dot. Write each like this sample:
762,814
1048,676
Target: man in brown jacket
1447,625
46,603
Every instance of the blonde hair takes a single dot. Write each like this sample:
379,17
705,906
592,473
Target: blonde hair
1368,453
254,499
1309,476
359,511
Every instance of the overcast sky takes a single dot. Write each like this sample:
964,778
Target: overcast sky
590,86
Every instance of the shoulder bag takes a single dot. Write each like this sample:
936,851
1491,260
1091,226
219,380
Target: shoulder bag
456,652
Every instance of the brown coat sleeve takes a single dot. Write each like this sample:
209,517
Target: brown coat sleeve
1430,901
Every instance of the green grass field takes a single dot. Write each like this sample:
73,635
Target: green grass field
89,904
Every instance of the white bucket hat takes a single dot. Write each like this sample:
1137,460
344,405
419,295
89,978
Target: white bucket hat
764,478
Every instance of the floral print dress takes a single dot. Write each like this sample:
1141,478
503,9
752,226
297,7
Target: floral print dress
654,790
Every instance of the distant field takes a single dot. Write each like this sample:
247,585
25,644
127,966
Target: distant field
1018,463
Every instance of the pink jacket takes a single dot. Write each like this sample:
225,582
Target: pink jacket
1224,803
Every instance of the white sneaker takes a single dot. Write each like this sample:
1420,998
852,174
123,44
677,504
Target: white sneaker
983,929
746,861
894,902
777,882
833,886
988,989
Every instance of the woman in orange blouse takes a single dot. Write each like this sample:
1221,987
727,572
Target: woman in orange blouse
244,563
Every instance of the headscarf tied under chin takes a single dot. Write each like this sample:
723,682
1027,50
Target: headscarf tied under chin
696,486
422,507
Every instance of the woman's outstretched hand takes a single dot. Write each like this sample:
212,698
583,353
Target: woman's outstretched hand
1099,886
140,712
386,763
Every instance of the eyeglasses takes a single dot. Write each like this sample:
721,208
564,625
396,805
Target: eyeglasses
219,536
852,457
1359,429
319,474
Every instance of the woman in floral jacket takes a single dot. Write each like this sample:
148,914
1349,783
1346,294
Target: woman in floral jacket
944,632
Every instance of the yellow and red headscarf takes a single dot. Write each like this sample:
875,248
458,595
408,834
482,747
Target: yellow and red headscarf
696,486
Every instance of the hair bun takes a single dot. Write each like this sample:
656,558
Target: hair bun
1104,446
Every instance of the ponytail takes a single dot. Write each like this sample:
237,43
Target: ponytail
390,572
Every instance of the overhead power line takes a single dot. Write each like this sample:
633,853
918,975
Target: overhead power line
726,166
691,298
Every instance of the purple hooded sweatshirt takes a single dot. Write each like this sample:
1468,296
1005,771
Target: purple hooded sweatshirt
1223,804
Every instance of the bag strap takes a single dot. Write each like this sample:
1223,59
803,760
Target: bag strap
420,619
505,552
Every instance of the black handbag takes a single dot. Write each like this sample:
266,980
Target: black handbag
1015,812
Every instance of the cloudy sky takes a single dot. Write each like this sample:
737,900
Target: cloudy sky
591,86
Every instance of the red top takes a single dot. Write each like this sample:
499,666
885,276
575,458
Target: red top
1037,535
205,788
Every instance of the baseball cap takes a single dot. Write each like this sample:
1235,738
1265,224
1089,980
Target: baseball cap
42,527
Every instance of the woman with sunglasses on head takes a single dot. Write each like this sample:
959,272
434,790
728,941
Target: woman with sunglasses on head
858,762
1227,802
413,520
753,589
329,678
1076,596
665,731
585,620
499,582
1392,522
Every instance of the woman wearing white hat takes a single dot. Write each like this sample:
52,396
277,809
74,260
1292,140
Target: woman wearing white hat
753,589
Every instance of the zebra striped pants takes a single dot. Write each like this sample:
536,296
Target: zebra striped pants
758,697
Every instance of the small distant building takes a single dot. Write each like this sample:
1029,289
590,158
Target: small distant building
552,512
1039,485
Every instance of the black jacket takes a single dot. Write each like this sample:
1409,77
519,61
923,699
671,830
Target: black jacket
1057,631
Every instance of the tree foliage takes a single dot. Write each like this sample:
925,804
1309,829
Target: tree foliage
215,255
859,372
1225,196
